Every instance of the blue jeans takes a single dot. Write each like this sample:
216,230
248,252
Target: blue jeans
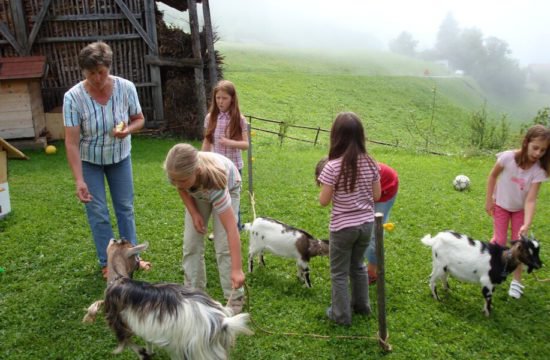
384,208
121,186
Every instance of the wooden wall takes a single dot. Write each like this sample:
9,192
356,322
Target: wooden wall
21,109
69,25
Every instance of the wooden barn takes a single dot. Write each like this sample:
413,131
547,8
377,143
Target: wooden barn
173,71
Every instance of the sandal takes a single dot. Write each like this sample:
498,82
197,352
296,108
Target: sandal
144,265
105,272
516,289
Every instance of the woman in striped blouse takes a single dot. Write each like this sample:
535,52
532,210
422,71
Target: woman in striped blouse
99,114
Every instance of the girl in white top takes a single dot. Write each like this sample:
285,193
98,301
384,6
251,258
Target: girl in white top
209,183
512,189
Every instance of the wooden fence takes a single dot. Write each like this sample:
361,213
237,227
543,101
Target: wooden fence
307,134
281,129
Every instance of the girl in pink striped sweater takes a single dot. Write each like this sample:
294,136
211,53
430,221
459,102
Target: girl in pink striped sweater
351,181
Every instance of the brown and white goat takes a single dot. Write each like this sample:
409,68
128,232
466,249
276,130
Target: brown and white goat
186,322
270,235
478,262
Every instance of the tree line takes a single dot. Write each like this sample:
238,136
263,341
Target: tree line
486,59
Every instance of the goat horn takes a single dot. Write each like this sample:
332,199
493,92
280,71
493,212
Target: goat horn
137,249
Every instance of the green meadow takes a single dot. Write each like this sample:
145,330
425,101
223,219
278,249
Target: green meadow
50,272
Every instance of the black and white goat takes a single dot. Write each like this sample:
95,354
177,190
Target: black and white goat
478,262
184,321
283,240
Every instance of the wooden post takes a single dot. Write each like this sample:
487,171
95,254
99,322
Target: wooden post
380,282
281,132
250,177
317,136
212,70
199,76
18,14
151,24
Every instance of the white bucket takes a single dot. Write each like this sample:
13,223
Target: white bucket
5,206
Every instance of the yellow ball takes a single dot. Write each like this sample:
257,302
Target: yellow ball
50,149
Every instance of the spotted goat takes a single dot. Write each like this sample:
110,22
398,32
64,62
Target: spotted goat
280,239
478,262
186,322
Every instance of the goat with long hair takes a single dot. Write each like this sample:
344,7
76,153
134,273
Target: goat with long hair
184,321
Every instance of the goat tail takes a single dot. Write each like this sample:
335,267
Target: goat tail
237,324
92,312
428,240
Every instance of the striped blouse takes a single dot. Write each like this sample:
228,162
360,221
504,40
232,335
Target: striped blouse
355,208
96,121
220,199
222,128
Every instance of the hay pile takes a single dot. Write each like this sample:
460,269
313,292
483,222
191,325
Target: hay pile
178,84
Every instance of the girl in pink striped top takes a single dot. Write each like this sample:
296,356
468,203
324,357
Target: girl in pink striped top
351,181
225,128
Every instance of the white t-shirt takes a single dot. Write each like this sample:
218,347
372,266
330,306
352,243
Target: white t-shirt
514,183
220,199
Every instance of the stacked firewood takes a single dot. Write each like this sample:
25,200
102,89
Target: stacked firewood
178,83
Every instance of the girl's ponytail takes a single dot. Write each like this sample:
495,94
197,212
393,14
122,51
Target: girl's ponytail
211,175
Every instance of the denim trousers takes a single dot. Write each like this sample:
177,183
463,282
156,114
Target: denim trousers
347,249
384,208
194,267
121,187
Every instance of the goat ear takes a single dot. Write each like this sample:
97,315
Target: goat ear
136,250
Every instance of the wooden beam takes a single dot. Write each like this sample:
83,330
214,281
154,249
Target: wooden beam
38,23
136,24
18,15
87,17
5,31
199,77
151,25
61,39
164,61
212,66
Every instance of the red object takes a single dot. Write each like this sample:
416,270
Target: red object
22,67
389,182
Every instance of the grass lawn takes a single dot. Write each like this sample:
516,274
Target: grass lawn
51,274
50,268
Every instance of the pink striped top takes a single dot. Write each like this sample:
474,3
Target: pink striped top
357,207
222,130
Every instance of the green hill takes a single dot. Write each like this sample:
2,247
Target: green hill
389,92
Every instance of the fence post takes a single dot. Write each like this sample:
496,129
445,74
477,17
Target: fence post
380,282
281,132
250,185
317,136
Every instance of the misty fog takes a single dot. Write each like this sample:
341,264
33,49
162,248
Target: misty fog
358,24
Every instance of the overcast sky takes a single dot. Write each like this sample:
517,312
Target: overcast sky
523,24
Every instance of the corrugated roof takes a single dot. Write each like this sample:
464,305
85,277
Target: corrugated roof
22,67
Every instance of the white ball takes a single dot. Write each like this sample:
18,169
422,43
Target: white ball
461,182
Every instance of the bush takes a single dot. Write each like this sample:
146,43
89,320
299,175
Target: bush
487,134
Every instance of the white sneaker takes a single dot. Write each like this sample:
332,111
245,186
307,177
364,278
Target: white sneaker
516,289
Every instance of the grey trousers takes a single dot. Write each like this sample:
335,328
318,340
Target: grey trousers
347,252
193,249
